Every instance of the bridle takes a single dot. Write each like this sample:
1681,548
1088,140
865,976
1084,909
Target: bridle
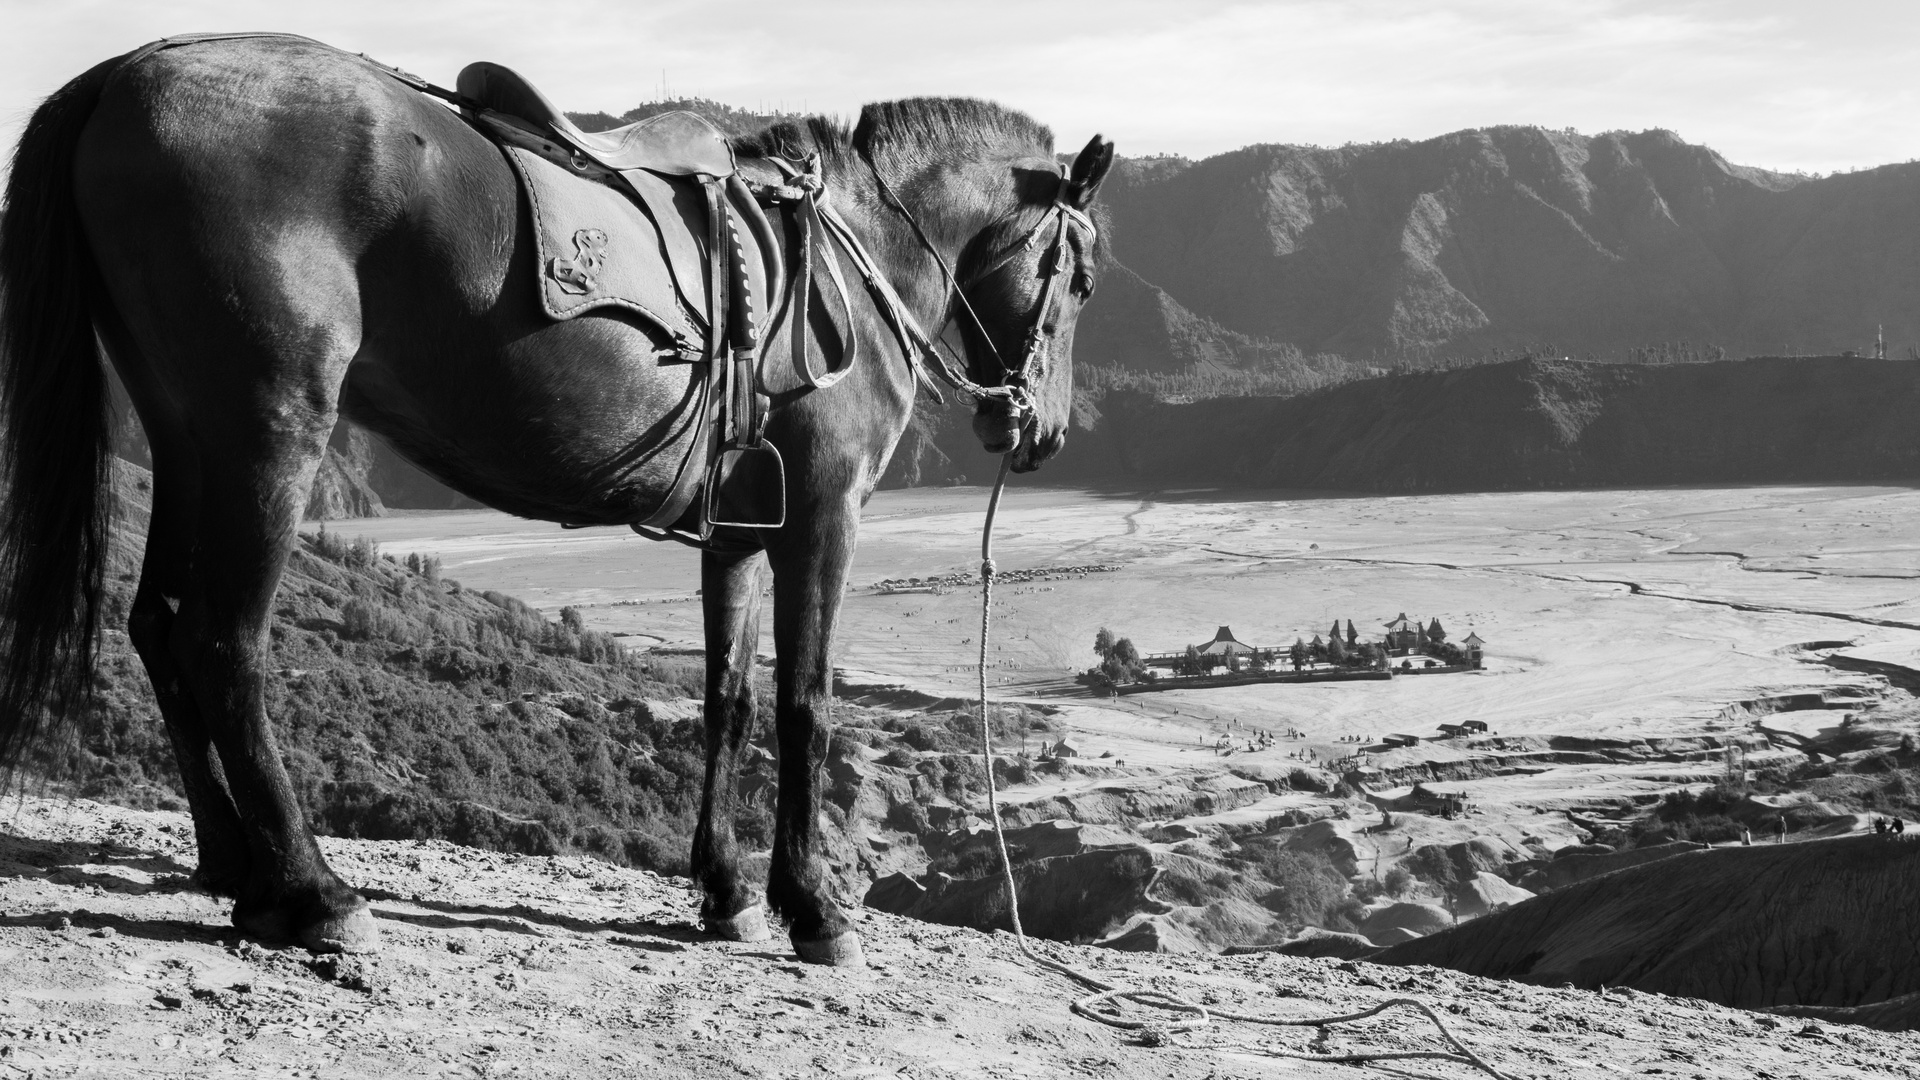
805,187
1014,381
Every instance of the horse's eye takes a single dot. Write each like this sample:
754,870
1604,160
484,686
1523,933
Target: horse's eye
1082,284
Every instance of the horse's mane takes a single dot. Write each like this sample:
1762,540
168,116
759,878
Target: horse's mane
909,132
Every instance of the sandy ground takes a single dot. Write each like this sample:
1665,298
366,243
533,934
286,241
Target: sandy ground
501,966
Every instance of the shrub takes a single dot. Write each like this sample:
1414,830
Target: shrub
1307,888
1399,881
909,817
427,566
363,553
977,861
356,620
1434,865
330,546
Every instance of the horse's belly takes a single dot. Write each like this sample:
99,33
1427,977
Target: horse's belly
574,421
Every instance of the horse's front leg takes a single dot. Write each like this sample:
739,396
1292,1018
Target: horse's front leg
810,566
730,594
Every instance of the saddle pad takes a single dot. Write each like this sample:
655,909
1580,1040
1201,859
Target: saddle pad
597,249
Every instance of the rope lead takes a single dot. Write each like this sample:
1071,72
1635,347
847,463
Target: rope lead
1109,995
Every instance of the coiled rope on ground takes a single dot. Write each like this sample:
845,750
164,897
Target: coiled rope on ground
1104,1004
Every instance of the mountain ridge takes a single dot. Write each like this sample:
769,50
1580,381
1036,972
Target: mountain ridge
1509,234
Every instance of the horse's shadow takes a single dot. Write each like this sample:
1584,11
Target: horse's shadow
61,862
72,863
515,919
162,930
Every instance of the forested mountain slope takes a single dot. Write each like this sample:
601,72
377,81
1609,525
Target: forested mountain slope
1512,235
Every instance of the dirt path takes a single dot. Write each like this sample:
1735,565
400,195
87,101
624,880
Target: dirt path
513,966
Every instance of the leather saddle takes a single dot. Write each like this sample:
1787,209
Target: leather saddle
697,277
671,144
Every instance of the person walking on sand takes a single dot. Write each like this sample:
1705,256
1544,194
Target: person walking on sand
1780,830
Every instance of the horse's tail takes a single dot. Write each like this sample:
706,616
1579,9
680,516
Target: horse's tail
55,435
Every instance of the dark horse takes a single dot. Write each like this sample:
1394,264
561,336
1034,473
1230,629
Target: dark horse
265,234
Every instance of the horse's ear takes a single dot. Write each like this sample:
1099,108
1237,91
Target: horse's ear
1089,168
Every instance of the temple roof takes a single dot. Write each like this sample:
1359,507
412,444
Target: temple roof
1224,643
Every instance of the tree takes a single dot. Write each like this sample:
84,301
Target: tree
1353,636
1103,643
1190,662
1123,651
1435,634
1336,650
1298,654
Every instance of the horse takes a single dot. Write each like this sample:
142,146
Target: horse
263,234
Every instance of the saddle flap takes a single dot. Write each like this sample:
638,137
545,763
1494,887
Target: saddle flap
597,250
680,221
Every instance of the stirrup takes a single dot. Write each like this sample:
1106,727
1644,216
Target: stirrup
725,464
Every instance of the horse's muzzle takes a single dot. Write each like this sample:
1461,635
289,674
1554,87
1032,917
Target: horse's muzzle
997,429
1035,449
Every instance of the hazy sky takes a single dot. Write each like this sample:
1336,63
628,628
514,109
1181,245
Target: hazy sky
1816,85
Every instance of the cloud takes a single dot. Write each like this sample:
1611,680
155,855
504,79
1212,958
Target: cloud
1766,82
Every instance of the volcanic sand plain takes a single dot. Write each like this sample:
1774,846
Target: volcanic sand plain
1626,614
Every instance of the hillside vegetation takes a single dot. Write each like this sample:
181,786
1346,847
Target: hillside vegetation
1524,425
410,707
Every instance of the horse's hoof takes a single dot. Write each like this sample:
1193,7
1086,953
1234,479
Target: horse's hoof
749,925
840,950
350,931
353,931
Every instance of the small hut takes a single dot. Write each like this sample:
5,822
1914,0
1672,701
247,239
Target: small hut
1472,644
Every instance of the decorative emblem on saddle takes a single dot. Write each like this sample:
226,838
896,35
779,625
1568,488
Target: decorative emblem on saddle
577,275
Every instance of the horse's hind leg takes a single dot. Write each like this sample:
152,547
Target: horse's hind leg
250,494
221,840
730,591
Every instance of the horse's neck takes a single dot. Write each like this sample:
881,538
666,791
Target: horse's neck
899,250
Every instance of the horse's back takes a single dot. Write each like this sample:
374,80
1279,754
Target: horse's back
282,225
